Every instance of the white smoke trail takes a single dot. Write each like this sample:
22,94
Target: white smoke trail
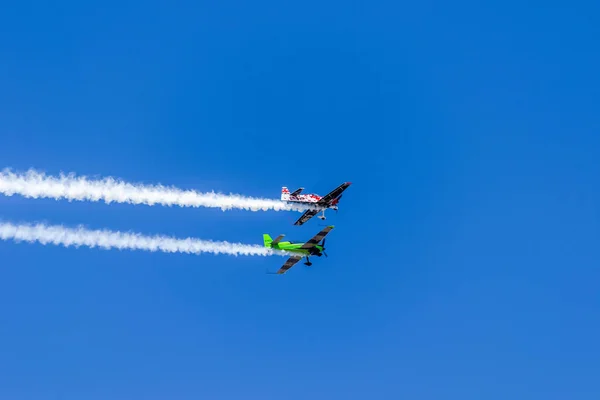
70,187
59,235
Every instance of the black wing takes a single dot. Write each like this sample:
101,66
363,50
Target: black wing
296,192
289,264
317,238
308,214
334,194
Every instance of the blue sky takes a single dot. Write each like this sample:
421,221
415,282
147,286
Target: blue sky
464,263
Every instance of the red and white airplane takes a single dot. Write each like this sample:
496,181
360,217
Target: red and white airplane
330,200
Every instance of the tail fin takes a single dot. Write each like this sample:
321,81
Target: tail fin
285,193
267,240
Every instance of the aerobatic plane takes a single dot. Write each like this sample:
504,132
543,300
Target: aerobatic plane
310,248
320,204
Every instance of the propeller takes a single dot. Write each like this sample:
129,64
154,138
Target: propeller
336,202
323,245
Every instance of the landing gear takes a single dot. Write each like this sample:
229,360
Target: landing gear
322,217
307,263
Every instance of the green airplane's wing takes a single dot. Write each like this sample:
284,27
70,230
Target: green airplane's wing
317,238
289,264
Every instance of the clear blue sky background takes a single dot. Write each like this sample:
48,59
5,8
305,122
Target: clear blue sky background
464,263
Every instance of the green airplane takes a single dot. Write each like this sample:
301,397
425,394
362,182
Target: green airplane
310,248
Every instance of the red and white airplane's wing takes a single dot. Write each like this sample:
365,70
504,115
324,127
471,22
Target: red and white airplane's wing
334,194
308,214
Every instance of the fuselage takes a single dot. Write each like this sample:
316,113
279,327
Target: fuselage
297,248
310,199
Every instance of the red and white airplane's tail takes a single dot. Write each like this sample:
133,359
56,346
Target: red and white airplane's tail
296,196
285,194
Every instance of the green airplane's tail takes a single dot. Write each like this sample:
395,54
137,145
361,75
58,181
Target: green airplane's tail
267,239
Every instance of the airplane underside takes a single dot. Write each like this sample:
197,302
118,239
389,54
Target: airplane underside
322,208
308,263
